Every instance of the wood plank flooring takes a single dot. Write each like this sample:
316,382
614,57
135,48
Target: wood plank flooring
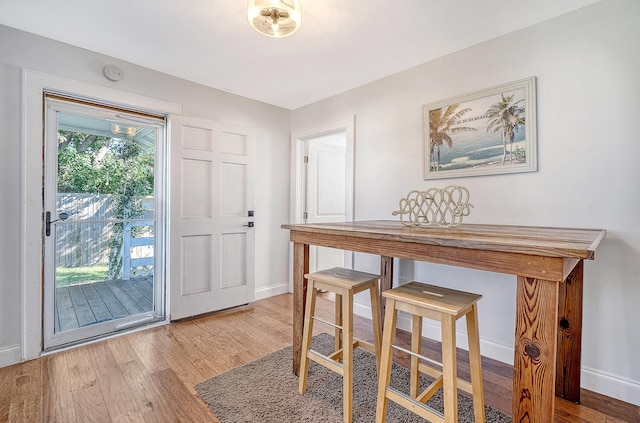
86,304
148,376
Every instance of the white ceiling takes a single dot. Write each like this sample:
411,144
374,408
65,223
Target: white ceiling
342,44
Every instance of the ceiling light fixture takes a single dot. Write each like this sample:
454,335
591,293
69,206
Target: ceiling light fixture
275,18
127,131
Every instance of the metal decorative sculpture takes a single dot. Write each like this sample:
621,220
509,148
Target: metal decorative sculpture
441,207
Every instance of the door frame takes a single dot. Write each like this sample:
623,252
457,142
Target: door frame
299,140
32,167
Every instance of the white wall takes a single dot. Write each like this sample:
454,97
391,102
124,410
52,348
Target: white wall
20,50
587,65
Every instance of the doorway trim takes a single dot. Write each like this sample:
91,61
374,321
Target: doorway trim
32,166
299,141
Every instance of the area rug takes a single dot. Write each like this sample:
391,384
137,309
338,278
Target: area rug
266,391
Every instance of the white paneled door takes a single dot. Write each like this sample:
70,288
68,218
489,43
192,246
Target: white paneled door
212,202
325,194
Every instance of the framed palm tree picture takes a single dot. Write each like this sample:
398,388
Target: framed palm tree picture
487,132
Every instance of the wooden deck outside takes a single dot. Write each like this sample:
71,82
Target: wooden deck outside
82,305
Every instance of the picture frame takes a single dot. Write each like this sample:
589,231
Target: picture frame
487,132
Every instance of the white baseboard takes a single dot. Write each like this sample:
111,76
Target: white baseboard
611,385
271,291
10,355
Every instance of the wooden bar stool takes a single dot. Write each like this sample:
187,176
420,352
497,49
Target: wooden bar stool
445,305
345,283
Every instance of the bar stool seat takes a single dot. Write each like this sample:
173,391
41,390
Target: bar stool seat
446,306
345,283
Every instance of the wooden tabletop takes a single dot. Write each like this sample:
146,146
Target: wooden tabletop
531,240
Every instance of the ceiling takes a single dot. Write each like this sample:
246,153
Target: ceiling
342,44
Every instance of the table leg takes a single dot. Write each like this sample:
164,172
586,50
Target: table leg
534,365
570,336
386,278
300,268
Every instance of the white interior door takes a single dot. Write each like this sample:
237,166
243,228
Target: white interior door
325,193
212,235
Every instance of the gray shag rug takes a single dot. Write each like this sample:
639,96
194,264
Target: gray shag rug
266,391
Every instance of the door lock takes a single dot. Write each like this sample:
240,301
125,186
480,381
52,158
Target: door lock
47,227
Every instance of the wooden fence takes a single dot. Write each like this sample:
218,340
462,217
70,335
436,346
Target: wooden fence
86,243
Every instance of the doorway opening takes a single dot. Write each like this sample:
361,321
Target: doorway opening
104,220
323,183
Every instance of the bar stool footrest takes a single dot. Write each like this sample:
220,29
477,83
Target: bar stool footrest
326,361
335,356
415,406
435,373
326,322
365,345
430,391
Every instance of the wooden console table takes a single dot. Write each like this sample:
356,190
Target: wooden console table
548,263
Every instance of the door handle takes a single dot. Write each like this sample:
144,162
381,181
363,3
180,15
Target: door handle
47,227
249,225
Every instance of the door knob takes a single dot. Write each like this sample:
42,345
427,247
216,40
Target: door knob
249,225
61,217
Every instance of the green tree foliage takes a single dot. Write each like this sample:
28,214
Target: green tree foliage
90,163
103,165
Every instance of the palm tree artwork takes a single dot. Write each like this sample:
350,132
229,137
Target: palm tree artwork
506,117
440,130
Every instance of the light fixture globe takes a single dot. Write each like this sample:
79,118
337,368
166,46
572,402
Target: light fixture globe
275,18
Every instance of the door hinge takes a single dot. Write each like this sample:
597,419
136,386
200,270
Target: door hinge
305,215
306,159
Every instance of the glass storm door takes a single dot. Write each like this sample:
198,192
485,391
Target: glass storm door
103,223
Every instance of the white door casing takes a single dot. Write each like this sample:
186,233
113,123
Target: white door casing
31,211
212,251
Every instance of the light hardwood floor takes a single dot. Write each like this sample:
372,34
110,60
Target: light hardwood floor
148,376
